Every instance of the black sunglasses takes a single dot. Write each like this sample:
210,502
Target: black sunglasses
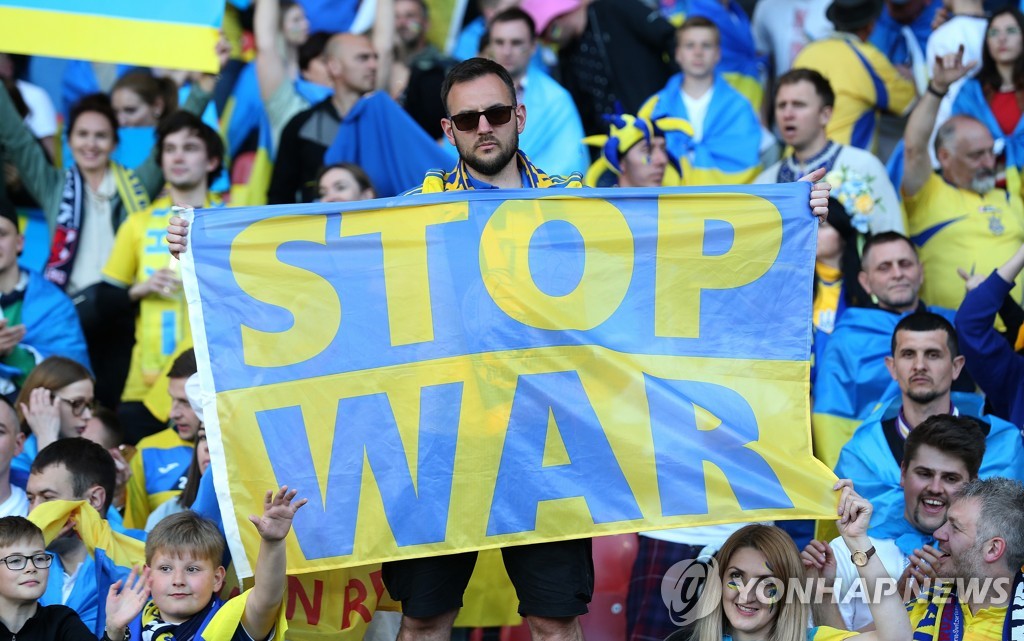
495,115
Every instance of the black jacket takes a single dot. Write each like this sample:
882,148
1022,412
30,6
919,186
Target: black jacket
300,154
50,623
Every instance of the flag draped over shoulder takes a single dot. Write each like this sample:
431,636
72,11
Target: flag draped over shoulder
465,371
114,554
971,101
176,35
740,64
379,136
728,151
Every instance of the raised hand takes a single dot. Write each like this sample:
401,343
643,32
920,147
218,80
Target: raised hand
125,600
819,560
854,511
819,193
42,413
278,512
948,69
971,280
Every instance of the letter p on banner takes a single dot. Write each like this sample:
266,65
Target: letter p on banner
543,335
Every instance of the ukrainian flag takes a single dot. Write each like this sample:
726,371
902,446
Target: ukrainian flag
179,35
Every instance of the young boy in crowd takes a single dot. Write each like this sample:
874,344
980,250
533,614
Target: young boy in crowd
184,574
24,569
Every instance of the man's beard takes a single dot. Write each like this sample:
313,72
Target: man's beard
493,165
967,565
924,396
983,182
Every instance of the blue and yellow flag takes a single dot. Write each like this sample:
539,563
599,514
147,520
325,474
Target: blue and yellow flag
177,35
465,371
971,101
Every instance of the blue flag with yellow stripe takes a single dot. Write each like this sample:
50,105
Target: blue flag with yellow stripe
463,371
177,35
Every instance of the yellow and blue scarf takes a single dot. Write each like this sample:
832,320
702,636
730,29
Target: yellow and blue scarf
458,179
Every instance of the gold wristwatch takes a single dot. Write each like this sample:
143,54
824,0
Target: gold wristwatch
860,558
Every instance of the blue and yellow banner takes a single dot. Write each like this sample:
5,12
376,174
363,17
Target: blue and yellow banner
471,370
176,35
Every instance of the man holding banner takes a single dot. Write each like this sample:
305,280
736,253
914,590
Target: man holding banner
553,579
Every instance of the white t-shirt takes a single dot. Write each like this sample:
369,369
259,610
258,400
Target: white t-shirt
97,236
42,117
16,504
69,584
968,31
783,27
696,111
853,604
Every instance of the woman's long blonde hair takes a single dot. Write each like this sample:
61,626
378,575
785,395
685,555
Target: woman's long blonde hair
790,623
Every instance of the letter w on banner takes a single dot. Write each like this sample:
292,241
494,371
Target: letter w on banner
178,34
453,372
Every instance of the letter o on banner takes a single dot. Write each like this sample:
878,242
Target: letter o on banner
607,264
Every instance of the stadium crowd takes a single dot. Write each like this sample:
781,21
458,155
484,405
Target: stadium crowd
910,110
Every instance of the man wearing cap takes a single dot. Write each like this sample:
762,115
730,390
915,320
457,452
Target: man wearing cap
39,320
865,82
611,53
958,219
633,154
553,139
160,466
